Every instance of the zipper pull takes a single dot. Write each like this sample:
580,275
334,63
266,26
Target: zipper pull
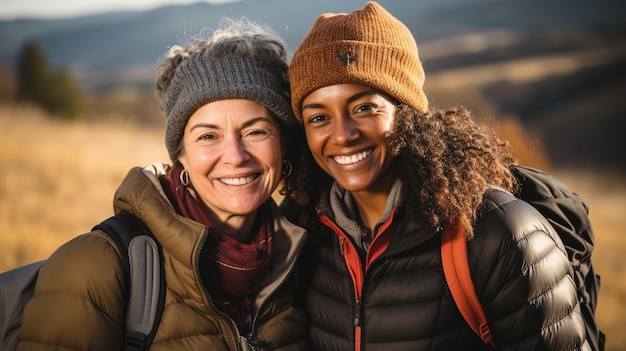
357,313
365,239
341,242
254,343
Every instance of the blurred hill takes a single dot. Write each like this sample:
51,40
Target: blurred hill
557,66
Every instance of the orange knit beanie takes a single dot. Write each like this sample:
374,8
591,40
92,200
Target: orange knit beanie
369,47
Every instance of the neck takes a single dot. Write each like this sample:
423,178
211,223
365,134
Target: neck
371,203
371,208
236,226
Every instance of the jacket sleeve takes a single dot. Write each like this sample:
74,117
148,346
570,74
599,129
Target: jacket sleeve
79,299
526,284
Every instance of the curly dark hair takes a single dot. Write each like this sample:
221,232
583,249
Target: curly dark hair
444,158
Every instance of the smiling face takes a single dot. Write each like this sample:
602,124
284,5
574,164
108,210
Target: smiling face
345,127
232,150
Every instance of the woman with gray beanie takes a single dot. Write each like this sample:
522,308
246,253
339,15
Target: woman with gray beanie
228,253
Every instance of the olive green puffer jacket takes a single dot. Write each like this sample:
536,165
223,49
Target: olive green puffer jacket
79,296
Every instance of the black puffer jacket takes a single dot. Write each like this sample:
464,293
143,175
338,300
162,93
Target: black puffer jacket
399,300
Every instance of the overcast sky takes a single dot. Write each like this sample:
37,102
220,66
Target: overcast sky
12,9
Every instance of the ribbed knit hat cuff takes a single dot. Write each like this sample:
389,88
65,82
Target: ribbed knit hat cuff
200,80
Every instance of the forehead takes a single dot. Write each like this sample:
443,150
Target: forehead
346,92
231,113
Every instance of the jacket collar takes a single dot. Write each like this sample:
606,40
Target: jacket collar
341,203
338,205
142,195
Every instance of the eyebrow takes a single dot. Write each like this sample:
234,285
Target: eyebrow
244,125
350,99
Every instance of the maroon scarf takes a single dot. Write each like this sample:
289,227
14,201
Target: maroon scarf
231,271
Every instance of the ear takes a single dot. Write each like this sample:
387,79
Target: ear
182,160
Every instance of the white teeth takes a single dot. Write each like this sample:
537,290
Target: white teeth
346,160
237,181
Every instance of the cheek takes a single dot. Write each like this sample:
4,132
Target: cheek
388,124
198,160
313,141
316,146
271,154
385,124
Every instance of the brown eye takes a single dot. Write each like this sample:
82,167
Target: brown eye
256,135
317,119
365,108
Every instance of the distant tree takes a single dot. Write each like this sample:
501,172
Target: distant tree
8,83
32,71
54,90
62,96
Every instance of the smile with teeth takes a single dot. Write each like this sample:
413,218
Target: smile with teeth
354,158
238,181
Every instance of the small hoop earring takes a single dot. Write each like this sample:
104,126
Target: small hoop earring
287,168
184,177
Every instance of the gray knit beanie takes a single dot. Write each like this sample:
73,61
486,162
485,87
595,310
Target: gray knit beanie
201,79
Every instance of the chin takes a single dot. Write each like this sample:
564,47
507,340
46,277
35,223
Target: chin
245,208
353,185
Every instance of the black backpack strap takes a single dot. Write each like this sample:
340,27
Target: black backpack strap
142,259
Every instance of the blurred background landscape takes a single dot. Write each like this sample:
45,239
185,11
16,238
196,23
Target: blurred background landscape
550,76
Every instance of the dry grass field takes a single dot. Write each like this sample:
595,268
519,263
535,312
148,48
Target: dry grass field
57,180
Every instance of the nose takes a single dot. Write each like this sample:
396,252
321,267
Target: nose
235,151
344,131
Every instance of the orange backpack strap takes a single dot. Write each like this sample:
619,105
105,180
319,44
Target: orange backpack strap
456,270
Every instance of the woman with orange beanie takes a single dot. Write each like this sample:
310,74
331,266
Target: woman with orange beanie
381,176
